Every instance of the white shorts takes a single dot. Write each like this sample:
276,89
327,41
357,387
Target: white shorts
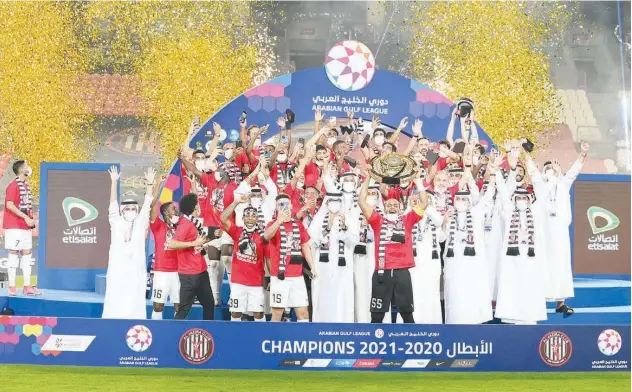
288,293
166,284
245,298
225,239
18,239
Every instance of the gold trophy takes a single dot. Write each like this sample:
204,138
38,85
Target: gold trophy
393,168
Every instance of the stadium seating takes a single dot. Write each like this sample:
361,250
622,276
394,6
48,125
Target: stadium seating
578,115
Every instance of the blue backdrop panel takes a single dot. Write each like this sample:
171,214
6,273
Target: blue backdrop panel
64,261
226,345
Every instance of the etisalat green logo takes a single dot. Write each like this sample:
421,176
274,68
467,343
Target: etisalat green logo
600,241
74,234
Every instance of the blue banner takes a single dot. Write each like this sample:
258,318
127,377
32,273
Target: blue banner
251,345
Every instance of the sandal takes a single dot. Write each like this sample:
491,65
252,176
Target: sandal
568,311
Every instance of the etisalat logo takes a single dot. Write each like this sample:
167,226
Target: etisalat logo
75,234
600,241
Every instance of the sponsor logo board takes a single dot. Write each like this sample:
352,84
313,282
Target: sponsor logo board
196,346
556,348
76,343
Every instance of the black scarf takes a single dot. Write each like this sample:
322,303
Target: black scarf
469,247
246,240
217,197
287,246
512,243
324,246
202,231
419,233
233,171
26,197
284,176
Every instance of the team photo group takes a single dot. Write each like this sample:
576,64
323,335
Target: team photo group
345,226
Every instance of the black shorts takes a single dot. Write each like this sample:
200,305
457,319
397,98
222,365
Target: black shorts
396,287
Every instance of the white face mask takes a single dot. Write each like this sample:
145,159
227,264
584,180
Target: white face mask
515,154
218,176
174,220
331,141
300,184
200,164
379,140
129,215
28,172
453,182
210,165
475,159
550,175
228,153
256,202
522,205
371,200
391,216
348,187
404,184
461,205
334,206
257,143
417,158
443,154
319,163
282,157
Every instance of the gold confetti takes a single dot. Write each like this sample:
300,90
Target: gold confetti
493,53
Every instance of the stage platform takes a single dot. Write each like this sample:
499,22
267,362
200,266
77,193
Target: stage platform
597,301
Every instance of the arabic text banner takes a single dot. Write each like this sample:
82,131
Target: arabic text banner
226,345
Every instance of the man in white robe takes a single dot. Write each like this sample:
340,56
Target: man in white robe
520,297
467,290
332,247
127,270
553,190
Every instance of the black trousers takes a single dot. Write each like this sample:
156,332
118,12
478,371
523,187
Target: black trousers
199,286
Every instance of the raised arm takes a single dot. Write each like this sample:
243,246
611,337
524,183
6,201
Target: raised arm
189,165
153,214
113,209
574,170
150,182
284,216
449,135
367,210
228,211
400,128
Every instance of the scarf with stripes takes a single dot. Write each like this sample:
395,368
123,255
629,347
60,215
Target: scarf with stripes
284,176
26,197
419,232
289,246
469,242
233,170
217,198
171,230
489,211
202,231
324,246
398,236
513,248
246,240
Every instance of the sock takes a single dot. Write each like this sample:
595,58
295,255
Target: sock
235,319
156,315
27,265
408,317
303,321
261,320
14,261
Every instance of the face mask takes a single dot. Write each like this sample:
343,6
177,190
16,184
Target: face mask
331,141
282,158
443,154
28,172
300,184
218,176
515,154
460,206
379,140
391,216
453,182
228,154
256,202
404,184
417,158
550,175
319,163
200,165
334,206
371,200
475,159
348,187
522,205
257,143
174,220
129,215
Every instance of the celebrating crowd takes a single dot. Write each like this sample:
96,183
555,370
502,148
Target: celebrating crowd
472,234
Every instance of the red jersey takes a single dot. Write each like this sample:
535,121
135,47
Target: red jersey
295,194
165,260
274,248
220,196
10,220
190,260
442,163
312,174
401,194
248,267
397,255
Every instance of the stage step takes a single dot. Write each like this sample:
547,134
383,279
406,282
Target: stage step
99,284
592,293
592,316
